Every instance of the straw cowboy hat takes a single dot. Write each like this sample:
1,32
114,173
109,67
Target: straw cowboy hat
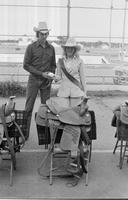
71,42
42,27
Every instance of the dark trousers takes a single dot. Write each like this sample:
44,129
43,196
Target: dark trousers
33,87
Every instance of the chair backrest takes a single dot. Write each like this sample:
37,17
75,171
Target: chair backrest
122,130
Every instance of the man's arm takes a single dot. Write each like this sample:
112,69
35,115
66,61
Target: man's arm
27,62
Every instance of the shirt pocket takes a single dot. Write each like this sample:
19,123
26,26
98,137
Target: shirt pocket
48,55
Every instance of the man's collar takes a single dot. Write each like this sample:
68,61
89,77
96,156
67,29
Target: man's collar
39,43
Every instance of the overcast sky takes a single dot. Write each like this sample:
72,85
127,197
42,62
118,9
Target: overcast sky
88,22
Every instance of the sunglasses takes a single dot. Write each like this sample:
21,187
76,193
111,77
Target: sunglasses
44,34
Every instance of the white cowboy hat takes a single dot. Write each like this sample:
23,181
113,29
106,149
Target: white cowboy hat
42,27
71,42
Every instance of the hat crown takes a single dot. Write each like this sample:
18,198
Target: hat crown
42,27
71,42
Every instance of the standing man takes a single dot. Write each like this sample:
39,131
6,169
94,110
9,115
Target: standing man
39,59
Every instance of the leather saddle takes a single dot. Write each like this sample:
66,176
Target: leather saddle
68,115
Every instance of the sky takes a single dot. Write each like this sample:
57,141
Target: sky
18,17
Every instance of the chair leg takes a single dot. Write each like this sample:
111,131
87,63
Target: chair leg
87,163
51,168
90,152
11,173
115,146
121,149
124,152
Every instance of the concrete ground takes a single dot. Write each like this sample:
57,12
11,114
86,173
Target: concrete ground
106,180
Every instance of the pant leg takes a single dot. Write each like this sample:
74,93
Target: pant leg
31,94
45,94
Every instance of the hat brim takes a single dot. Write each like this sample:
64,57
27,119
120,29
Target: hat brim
41,31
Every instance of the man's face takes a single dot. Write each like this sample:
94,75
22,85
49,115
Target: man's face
43,36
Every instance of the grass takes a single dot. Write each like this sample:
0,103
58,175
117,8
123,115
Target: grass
107,93
10,88
100,93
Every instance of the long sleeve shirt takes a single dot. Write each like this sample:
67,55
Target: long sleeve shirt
38,59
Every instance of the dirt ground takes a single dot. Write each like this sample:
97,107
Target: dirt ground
104,171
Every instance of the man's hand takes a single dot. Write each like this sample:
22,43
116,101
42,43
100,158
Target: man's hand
48,75
57,78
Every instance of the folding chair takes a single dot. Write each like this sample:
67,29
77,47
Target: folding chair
87,150
122,141
13,140
55,152
42,118
82,159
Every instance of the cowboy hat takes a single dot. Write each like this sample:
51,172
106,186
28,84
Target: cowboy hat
42,27
126,102
71,42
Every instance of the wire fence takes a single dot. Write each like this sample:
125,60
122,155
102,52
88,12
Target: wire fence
22,79
68,8
95,74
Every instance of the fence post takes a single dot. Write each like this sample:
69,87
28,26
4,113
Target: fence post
68,19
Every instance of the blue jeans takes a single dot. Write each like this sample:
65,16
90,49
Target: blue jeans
33,87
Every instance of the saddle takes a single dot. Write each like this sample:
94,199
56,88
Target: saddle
65,115
68,115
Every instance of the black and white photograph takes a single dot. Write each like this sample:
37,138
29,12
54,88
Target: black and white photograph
63,99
